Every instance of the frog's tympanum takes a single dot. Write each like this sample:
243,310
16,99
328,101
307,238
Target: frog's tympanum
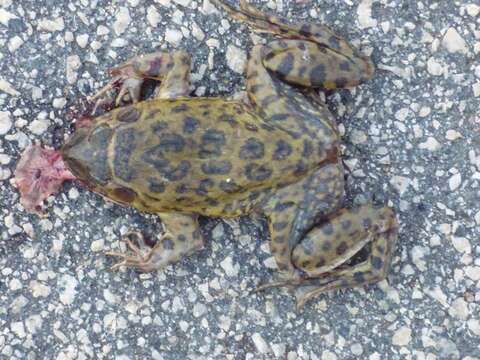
277,156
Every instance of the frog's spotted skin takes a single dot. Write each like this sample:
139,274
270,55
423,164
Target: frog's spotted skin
278,156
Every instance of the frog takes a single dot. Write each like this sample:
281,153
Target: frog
275,155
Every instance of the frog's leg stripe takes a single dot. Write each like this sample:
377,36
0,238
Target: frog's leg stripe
182,237
294,209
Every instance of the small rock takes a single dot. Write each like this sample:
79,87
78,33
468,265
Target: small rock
400,183
173,36
474,326
122,20
230,269
14,43
476,89
51,25
453,42
473,272
153,17
82,40
6,87
452,135
5,16
402,336
434,67
472,10
461,244
328,355
184,3
236,59
356,349
430,144
364,13
73,64
358,137
67,284
59,103
39,126
455,181
199,309
5,122
260,343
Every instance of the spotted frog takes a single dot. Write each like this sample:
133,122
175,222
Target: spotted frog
276,156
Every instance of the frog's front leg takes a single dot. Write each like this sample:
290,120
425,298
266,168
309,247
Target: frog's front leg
182,237
325,251
173,70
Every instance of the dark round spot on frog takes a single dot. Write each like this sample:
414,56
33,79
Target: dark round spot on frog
286,65
203,187
168,244
377,262
181,189
359,277
333,42
279,226
124,194
345,66
346,224
256,172
367,223
170,142
212,142
252,149
282,150
190,124
305,264
229,187
326,245
181,238
155,186
342,248
317,75
129,114
320,262
216,167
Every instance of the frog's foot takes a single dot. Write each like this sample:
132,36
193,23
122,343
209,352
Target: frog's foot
171,69
141,256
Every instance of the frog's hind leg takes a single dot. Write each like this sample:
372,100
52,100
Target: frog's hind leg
173,70
182,237
325,251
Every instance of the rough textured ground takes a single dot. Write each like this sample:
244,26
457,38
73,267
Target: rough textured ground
412,136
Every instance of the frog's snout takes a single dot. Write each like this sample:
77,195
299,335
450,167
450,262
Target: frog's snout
76,155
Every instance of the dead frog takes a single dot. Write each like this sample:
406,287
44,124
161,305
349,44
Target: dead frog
181,157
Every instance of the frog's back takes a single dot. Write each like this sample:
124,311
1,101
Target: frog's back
204,155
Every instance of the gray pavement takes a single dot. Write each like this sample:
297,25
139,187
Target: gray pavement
412,139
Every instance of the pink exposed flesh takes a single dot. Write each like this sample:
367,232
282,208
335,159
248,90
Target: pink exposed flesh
39,174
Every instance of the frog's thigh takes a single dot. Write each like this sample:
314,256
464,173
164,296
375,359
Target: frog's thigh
182,237
304,63
335,241
293,210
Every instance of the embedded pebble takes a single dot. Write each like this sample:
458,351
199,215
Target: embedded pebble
455,181
402,336
122,20
5,122
153,16
453,42
173,36
39,126
236,59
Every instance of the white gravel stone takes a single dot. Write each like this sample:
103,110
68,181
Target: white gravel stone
102,30
402,336
59,103
6,16
122,20
473,272
364,13
236,59
72,65
199,309
402,114
53,25
4,159
424,111
82,40
455,181
39,126
452,135
229,268
453,41
39,289
5,122
153,16
14,43
434,67
459,309
400,183
476,89
474,326
328,355
18,329
173,36
6,87
430,144
356,349
68,284
184,3
472,9
461,244
260,344
97,245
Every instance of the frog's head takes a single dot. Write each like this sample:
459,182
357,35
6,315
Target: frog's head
85,154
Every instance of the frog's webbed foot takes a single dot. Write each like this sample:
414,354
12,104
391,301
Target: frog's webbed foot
140,256
172,70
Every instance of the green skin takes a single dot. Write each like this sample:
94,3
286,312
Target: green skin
277,156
